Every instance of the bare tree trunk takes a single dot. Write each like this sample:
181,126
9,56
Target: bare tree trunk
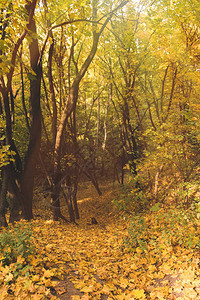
123,163
55,194
27,182
51,84
157,182
98,123
75,204
10,168
3,200
14,203
68,194
21,196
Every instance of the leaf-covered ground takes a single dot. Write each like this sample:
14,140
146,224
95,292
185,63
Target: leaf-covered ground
92,262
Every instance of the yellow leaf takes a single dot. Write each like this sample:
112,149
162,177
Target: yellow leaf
134,266
47,282
105,290
8,249
37,297
9,277
61,290
79,285
87,289
35,278
85,297
124,283
138,250
75,297
50,40
139,294
48,273
34,261
20,260
98,286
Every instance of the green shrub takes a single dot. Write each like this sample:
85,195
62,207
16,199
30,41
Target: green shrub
163,228
14,242
132,199
137,234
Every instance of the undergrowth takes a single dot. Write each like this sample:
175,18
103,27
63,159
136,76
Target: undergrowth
157,226
16,241
161,228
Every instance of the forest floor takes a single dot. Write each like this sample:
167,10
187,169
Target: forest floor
90,261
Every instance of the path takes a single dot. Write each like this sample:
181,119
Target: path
96,266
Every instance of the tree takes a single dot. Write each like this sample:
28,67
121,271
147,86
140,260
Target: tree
70,104
168,83
17,179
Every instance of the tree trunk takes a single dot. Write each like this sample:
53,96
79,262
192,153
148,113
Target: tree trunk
75,204
14,203
68,194
55,194
22,194
51,86
3,200
27,182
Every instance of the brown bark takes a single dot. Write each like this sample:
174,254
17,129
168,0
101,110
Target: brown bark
52,92
128,138
75,204
55,193
68,195
50,76
3,201
27,182
6,90
23,95
10,169
171,94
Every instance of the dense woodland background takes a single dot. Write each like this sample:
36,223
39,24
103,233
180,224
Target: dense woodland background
98,90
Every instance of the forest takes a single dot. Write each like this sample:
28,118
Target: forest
99,149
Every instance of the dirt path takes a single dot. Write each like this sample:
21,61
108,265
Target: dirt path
90,205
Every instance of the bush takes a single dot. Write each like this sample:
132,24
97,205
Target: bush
132,199
170,227
15,242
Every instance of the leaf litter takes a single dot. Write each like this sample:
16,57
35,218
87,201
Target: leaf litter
91,262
